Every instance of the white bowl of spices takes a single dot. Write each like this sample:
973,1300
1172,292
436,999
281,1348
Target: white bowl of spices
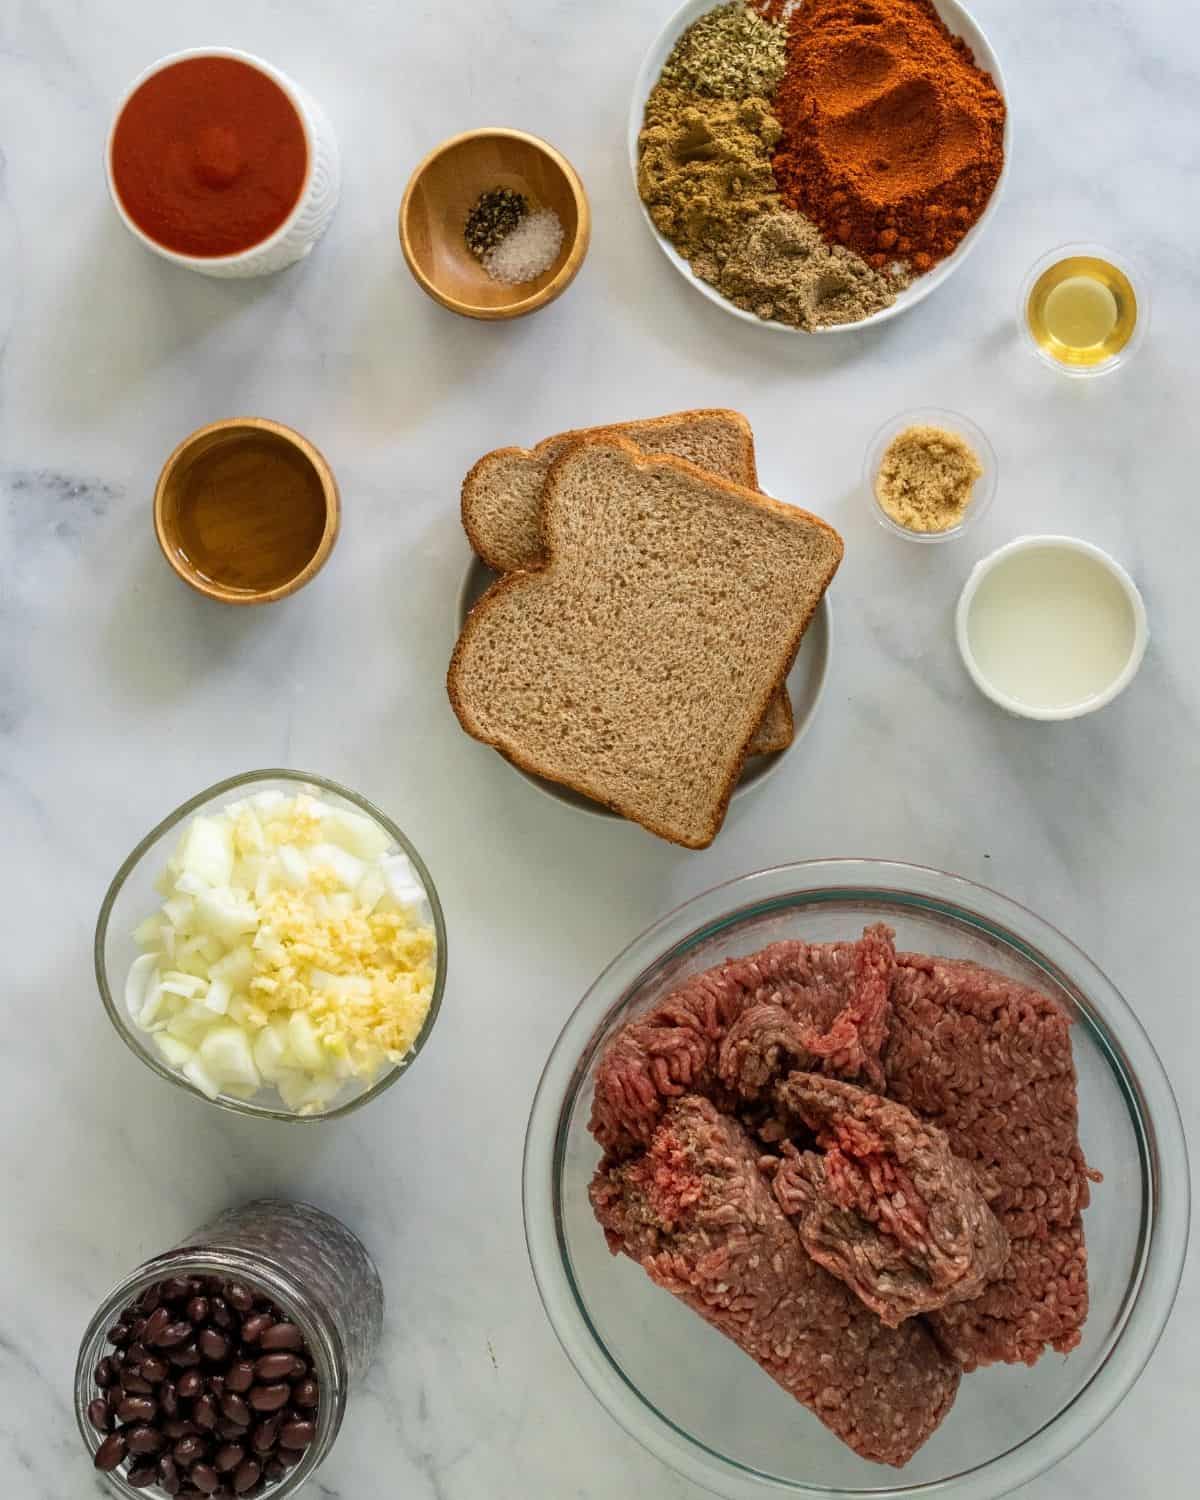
930,474
1051,627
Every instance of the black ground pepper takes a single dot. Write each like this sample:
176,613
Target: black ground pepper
495,215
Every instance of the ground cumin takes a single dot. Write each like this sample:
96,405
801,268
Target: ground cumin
892,137
704,166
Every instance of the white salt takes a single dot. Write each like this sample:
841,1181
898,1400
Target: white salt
531,248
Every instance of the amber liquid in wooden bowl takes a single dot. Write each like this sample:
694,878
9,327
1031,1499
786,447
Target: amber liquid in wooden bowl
244,510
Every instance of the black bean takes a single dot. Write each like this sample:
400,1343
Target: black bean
269,1397
239,1297
119,1334
110,1453
213,1345
177,1427
154,1369
289,1457
246,1477
306,1392
138,1324
99,1414
228,1456
106,1373
168,1474
134,1384
230,1432
174,1289
188,1449
159,1319
266,1435
173,1334
142,1476
168,1399
144,1439
235,1408
275,1468
240,1376
255,1326
184,1357
277,1367
197,1285
137,1409
204,1412
197,1311
282,1336
205,1478
190,1384
218,1311
149,1300
136,1352
297,1434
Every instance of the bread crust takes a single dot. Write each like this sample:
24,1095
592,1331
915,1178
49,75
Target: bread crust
515,582
766,742
586,434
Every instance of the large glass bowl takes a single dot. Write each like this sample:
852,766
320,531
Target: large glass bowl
132,897
687,1393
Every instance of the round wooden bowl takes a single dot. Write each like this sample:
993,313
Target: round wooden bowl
251,533
443,190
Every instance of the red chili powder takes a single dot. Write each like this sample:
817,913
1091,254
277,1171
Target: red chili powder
209,156
893,138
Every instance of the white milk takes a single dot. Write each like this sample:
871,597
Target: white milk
1050,627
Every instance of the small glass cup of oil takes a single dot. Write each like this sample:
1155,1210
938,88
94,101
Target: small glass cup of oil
1083,310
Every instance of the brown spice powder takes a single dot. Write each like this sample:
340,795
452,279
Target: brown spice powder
782,268
926,477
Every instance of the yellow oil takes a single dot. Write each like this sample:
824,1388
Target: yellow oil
1082,311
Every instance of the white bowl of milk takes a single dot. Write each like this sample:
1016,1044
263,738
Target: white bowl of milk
1050,627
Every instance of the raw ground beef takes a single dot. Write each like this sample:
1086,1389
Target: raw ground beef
884,1205
899,1216
989,1060
730,1032
697,1214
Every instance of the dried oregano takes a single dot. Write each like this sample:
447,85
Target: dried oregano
730,53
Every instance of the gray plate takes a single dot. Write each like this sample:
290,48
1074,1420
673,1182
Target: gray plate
806,683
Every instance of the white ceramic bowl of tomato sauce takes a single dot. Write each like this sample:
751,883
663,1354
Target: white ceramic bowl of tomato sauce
315,202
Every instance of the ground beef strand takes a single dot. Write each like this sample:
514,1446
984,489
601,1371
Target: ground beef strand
697,1214
731,1031
989,1061
883,1204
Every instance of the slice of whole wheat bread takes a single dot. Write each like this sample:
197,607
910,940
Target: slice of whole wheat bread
635,666
502,502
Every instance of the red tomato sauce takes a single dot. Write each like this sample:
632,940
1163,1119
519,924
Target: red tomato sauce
209,157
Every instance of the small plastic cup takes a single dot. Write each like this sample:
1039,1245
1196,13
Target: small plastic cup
1141,294
951,421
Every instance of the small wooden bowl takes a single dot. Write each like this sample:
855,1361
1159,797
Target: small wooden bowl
251,526
444,189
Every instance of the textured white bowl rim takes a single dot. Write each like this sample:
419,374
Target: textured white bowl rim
201,262
953,421
962,618
956,16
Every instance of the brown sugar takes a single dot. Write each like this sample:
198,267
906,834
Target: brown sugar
926,477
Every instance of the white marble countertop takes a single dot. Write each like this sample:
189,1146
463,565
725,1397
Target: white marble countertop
121,693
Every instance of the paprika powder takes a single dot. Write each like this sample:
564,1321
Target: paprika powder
893,137
209,156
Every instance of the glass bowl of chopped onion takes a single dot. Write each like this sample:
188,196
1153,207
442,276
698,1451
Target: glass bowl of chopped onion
275,946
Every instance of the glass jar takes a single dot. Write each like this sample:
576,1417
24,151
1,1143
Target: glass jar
310,1265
